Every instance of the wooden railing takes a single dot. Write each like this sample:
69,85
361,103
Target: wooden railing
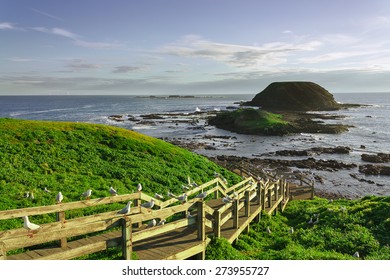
261,195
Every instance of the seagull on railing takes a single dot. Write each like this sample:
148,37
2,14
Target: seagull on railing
161,222
148,205
169,194
202,195
182,198
194,184
139,187
152,223
87,194
59,197
31,227
226,199
113,191
158,196
126,210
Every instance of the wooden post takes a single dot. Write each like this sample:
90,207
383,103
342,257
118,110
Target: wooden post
269,190
283,187
258,189
60,217
217,224
137,203
312,191
247,204
3,251
201,221
263,198
127,242
235,214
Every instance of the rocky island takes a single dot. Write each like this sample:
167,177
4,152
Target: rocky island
283,109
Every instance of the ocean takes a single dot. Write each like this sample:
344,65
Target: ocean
371,128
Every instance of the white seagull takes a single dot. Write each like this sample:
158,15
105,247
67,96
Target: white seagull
152,223
202,195
268,230
182,198
126,210
59,197
87,194
32,196
46,190
189,215
356,255
310,221
30,226
291,230
158,196
113,191
171,194
27,195
139,187
148,205
227,199
161,222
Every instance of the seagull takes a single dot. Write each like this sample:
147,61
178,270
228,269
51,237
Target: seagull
32,196
139,187
171,194
216,174
194,184
148,205
189,215
27,195
87,194
126,210
268,230
152,223
59,197
161,222
185,188
356,255
30,226
182,198
310,221
226,199
291,230
225,181
46,190
235,195
202,195
113,191
158,196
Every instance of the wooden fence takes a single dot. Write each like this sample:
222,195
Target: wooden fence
69,238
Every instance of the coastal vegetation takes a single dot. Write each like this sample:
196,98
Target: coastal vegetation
343,228
43,158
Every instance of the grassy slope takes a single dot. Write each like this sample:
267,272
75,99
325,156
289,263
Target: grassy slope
74,157
344,227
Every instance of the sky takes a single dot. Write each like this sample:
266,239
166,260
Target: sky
157,47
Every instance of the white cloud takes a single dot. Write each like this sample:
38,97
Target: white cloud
77,38
242,56
46,14
6,25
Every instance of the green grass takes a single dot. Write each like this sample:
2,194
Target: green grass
249,120
344,227
74,157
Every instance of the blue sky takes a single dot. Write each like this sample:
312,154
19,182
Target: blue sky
192,47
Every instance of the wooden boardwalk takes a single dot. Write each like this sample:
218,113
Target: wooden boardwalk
181,237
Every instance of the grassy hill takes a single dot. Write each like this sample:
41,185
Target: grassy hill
74,157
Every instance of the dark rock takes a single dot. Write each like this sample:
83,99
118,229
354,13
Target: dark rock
378,158
371,169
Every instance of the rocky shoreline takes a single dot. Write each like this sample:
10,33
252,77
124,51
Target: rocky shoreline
314,163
